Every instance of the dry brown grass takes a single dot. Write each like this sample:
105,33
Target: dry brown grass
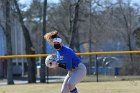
86,87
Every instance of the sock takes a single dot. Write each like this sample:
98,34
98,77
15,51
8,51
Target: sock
74,90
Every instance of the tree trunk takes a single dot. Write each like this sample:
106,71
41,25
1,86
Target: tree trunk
8,43
74,30
77,44
29,47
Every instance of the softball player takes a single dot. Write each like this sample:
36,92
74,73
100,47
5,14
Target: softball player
67,59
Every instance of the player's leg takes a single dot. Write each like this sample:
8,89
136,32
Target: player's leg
76,77
64,88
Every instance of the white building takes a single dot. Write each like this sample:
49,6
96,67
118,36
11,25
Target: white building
18,45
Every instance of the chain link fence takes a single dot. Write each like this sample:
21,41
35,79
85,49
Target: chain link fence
100,68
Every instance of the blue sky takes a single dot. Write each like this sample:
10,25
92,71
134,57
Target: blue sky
29,1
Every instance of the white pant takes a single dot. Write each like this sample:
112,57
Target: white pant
73,77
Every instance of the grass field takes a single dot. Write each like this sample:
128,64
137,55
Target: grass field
85,87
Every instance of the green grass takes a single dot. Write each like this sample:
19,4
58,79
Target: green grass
85,87
110,78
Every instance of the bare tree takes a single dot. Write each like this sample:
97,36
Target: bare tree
65,18
74,39
29,47
8,42
127,15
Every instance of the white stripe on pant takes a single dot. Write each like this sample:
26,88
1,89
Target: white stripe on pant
73,77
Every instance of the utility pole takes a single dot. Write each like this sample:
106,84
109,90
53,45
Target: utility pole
42,69
90,35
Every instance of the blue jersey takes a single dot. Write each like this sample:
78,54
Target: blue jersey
67,56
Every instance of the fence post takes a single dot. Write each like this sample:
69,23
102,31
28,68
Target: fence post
47,75
96,64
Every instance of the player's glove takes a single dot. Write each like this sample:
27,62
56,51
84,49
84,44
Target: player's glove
62,65
50,62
